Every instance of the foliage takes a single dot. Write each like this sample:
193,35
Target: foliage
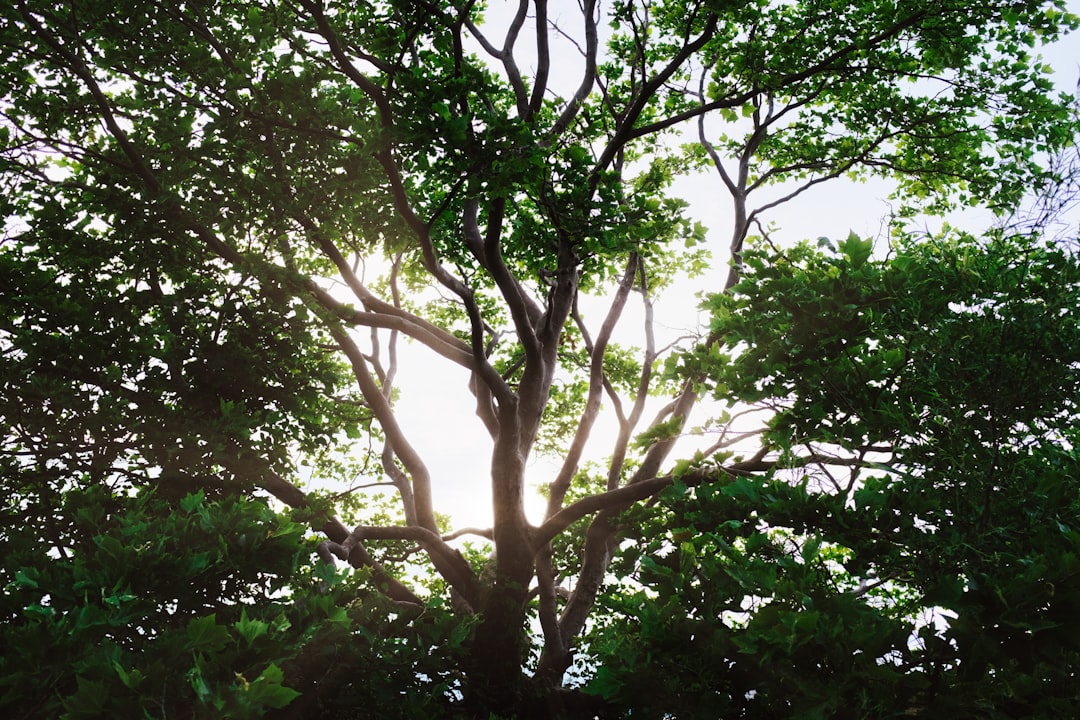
222,219
137,608
938,572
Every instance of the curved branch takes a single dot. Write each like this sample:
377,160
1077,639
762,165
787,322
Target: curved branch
487,250
561,483
613,501
543,59
485,405
380,406
513,74
608,500
366,85
625,132
488,46
384,155
400,481
448,561
599,538
659,450
383,315
627,424
265,477
485,533
554,656
592,45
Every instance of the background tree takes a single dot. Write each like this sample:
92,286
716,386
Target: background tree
911,547
222,218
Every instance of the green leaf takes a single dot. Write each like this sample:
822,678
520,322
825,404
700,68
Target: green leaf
267,689
26,577
132,679
856,250
190,503
810,548
250,629
89,700
205,635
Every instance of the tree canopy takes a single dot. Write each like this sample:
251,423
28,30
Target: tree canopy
851,492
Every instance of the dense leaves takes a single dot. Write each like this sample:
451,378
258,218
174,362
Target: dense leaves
131,606
916,543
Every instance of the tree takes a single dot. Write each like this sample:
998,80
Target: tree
223,218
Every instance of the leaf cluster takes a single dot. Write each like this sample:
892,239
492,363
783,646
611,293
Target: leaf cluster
941,381
139,607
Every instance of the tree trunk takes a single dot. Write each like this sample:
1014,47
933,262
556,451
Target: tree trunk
494,677
495,682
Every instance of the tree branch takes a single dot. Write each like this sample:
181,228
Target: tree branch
625,131
380,406
559,486
629,423
381,314
592,44
449,562
251,465
543,59
513,74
